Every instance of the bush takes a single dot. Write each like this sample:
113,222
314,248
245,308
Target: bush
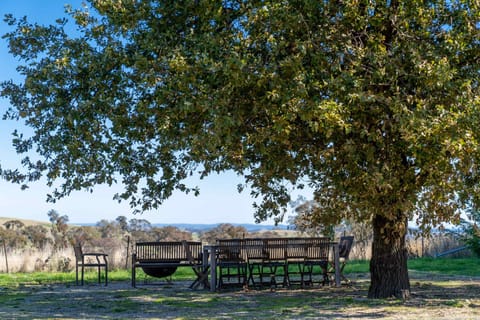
471,232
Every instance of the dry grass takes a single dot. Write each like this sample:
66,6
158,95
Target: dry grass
33,260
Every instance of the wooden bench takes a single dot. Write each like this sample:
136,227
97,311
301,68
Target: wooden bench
161,259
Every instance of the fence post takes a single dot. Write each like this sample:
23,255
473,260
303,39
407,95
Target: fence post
423,246
5,252
128,247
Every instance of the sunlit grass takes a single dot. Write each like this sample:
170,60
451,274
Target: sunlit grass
457,266
445,266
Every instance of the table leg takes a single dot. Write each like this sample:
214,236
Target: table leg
213,270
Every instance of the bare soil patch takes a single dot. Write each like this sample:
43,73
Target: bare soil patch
433,297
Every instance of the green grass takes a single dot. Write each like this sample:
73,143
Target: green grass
21,297
456,266
446,266
39,278
16,279
357,266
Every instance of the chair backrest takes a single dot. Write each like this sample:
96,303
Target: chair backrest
318,248
345,246
254,249
230,250
77,247
296,249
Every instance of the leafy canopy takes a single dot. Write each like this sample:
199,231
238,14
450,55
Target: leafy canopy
373,104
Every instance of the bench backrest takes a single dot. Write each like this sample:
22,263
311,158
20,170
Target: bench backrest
275,248
189,252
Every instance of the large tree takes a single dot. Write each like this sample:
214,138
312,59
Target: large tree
373,104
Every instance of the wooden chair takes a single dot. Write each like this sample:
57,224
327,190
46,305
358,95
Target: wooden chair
195,258
232,267
316,260
259,274
266,261
296,253
84,260
344,247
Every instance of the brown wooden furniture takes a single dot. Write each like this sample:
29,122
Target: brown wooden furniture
296,252
232,266
344,247
272,261
316,260
89,259
155,258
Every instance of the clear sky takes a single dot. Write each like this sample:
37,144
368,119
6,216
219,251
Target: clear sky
218,202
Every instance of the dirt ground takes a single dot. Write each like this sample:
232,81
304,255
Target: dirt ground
432,297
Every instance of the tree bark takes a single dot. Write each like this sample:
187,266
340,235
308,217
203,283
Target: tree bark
388,266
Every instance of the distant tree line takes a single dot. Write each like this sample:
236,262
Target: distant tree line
59,234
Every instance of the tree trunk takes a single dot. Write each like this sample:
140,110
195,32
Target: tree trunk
388,266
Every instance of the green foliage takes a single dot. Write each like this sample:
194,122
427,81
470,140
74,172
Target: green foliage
373,104
473,239
471,231
224,231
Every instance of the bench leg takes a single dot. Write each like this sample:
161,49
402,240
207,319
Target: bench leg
76,273
202,278
106,274
133,277
83,272
99,271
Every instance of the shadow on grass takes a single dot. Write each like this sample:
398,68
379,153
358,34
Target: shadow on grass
176,301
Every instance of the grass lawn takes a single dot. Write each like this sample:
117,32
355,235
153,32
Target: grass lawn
458,266
445,266
54,295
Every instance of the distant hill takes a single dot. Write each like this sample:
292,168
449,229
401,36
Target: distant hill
251,227
26,222
192,227
198,227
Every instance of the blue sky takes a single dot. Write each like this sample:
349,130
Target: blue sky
218,202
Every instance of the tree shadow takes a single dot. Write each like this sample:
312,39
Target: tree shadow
120,300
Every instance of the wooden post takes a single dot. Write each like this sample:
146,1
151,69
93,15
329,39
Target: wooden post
5,252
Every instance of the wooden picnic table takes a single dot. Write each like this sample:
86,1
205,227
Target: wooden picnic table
211,251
